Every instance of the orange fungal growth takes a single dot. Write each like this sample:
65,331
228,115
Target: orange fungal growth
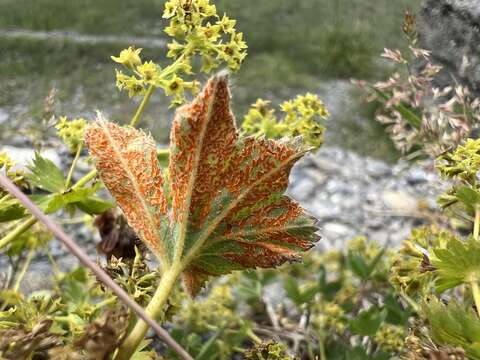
228,210
127,164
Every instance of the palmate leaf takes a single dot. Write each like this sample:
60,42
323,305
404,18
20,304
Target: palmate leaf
456,264
228,209
452,324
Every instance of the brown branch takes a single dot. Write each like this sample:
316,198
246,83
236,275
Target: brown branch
100,274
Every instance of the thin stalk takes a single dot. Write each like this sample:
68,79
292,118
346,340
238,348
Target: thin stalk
321,345
253,336
73,166
153,309
84,180
106,302
5,198
476,225
25,267
476,295
19,230
143,104
96,270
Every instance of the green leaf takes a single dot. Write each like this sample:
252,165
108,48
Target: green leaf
358,265
467,195
208,349
45,175
73,286
94,205
456,264
454,325
367,322
11,210
291,288
74,196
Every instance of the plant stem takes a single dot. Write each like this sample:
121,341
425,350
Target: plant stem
84,180
19,230
153,309
476,295
5,198
73,166
476,225
25,267
321,345
253,336
141,108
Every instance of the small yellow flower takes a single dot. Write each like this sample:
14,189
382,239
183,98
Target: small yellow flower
204,8
6,161
149,71
227,25
134,86
129,58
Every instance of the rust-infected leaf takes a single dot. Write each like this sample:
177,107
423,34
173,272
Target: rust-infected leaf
228,209
127,164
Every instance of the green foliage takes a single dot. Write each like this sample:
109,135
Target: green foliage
456,264
411,271
267,351
220,206
45,175
454,325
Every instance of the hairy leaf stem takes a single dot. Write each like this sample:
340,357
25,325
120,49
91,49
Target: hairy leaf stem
73,166
154,308
143,104
19,230
476,294
476,225
25,267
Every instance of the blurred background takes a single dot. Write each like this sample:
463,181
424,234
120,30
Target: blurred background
294,47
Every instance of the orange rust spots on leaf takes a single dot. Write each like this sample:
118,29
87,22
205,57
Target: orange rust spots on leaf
228,209
127,164
209,160
203,137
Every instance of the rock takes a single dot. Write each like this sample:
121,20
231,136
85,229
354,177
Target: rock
354,196
400,202
450,29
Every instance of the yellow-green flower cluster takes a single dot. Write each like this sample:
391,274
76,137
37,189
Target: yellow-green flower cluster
6,162
331,316
410,269
361,245
463,163
390,338
301,118
7,165
216,309
197,31
71,132
145,74
267,351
